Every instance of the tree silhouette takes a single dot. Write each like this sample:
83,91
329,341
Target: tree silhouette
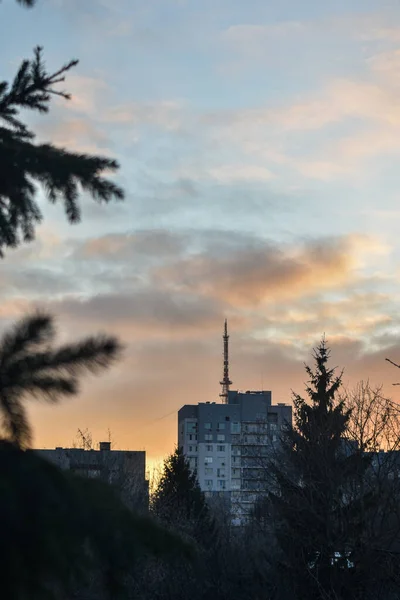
60,173
318,504
31,365
178,499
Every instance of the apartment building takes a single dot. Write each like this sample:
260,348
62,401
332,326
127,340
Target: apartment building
228,444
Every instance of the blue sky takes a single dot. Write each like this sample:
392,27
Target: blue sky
260,148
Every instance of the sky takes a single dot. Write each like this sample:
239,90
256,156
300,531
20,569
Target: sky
259,145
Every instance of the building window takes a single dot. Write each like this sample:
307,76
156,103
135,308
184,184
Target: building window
192,436
235,472
274,438
221,426
193,463
221,484
273,426
220,437
209,448
221,448
191,427
208,460
207,426
220,472
208,483
235,427
192,448
208,471
208,437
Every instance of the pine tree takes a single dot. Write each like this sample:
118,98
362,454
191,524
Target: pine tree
60,173
316,505
178,499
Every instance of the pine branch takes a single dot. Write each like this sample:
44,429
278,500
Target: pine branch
63,175
28,368
30,333
32,88
14,419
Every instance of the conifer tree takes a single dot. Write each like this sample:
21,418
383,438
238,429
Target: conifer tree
316,504
178,499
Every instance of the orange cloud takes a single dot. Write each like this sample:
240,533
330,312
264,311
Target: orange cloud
86,94
266,274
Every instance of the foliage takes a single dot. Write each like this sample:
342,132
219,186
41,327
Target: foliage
57,529
61,174
317,503
178,498
31,365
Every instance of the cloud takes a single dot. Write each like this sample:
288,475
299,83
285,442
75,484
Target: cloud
79,134
355,315
164,285
145,244
337,129
254,40
232,173
265,273
87,93
163,114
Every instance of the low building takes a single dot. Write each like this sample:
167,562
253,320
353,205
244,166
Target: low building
124,469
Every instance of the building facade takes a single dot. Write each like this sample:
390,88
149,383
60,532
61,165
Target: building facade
228,445
125,469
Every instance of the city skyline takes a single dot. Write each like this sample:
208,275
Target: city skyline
260,151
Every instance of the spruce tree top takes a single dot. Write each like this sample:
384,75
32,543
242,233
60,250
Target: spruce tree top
323,418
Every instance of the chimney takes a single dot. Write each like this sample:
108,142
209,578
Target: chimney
105,446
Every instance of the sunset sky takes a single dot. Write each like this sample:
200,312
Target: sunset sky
259,145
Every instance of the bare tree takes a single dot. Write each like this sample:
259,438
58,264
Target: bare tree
374,423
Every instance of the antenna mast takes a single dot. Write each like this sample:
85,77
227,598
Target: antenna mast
226,382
